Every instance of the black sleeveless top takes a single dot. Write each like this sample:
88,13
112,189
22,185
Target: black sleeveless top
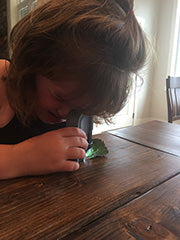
14,132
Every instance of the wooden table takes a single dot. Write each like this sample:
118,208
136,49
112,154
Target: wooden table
132,193
158,135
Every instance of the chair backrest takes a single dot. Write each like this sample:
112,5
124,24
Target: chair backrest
173,98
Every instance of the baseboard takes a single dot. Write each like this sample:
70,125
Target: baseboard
144,120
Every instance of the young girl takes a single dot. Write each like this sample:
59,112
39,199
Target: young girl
65,55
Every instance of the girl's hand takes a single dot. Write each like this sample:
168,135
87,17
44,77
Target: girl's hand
51,152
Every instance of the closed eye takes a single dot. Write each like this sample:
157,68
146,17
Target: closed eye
58,98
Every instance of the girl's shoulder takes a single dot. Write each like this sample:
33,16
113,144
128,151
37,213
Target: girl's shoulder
4,66
6,112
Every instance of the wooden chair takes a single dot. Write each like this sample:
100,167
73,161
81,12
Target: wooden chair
173,98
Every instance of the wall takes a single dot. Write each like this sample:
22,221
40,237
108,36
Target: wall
165,29
12,11
149,11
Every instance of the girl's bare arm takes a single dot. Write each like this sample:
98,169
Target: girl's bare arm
43,154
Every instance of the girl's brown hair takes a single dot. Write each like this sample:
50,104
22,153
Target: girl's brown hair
99,40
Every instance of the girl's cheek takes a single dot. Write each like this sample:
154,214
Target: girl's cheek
57,104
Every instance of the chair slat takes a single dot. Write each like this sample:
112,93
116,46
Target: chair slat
178,101
173,98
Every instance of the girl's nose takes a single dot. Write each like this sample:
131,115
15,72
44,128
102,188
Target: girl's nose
63,111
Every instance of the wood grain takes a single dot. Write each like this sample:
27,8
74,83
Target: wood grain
158,135
54,206
156,216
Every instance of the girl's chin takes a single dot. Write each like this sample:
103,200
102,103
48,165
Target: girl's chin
51,119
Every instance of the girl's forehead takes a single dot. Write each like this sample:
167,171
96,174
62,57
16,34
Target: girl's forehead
69,89
66,83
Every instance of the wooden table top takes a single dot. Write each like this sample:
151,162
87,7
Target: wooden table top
158,135
131,193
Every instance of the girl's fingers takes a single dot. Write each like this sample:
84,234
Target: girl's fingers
77,142
72,131
70,166
76,152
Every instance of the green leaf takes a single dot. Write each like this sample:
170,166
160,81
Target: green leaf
98,149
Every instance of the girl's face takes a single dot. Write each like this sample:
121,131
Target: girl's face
56,99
